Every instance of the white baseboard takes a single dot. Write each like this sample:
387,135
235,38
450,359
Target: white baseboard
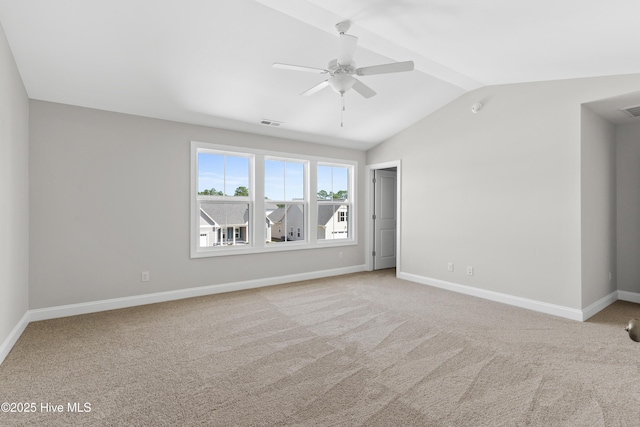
543,307
599,305
15,333
629,296
115,303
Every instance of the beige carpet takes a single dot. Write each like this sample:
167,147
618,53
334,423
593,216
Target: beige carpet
362,349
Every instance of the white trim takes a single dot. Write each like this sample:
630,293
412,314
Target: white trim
13,337
116,303
629,296
599,305
369,211
542,307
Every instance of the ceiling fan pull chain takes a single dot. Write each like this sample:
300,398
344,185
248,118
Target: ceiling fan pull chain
342,110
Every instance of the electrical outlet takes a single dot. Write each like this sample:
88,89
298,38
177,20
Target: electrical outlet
450,266
469,270
144,276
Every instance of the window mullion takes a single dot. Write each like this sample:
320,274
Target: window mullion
332,184
312,182
224,176
284,180
259,219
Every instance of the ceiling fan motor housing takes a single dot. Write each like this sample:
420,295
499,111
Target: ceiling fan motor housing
335,68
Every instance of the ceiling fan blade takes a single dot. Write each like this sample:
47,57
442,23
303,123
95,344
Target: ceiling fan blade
347,48
316,88
363,89
394,67
300,68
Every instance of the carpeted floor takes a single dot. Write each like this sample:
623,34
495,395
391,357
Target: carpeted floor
361,349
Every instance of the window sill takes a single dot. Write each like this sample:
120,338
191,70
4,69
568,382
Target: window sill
275,247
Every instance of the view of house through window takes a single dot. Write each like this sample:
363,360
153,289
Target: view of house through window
224,199
252,201
285,203
333,202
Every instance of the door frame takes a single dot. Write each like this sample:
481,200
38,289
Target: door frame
370,209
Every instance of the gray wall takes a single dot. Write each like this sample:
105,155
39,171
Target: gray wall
14,193
598,200
110,198
499,190
628,207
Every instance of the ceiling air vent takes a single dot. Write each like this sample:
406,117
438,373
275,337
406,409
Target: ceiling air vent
632,111
268,122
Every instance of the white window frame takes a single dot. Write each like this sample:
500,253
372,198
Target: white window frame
197,200
351,204
256,226
304,203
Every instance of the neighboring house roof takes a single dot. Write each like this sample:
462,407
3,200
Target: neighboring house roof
277,215
225,214
270,206
206,220
235,214
325,212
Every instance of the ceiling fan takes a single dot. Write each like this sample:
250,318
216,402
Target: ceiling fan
341,70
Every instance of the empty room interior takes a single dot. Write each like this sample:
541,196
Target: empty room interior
264,212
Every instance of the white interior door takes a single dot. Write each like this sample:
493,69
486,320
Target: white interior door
384,219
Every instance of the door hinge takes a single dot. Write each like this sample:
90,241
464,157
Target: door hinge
373,253
374,180
373,216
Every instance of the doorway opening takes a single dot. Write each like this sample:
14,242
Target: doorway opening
384,230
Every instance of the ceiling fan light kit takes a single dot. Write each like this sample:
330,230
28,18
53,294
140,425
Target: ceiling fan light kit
341,83
341,70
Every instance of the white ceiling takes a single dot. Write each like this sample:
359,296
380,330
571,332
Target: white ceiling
209,62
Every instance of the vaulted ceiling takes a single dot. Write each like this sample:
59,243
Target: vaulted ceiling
210,62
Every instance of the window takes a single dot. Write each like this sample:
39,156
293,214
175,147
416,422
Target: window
334,204
285,202
253,201
223,198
